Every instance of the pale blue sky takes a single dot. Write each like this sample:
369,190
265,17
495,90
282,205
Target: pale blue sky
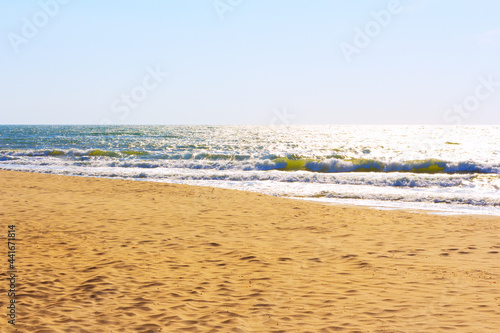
90,62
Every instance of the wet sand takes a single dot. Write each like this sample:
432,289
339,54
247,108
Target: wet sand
99,255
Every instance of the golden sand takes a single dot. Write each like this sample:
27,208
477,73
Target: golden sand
99,255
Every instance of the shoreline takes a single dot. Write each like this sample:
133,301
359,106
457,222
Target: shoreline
405,210
95,255
388,207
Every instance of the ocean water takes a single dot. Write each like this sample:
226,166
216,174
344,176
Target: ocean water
448,169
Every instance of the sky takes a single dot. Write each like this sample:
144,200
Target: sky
263,62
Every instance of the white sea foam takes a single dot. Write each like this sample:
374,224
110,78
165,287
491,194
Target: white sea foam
455,168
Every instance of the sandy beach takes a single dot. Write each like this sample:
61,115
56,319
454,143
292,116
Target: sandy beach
99,255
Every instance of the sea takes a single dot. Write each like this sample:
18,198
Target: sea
440,169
